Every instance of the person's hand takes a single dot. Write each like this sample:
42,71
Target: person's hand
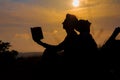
117,30
36,39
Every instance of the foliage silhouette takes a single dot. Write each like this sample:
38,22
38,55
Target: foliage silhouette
7,56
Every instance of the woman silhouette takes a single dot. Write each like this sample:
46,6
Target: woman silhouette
50,54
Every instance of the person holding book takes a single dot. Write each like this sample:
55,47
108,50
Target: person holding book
67,45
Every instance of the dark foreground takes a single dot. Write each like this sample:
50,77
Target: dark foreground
102,67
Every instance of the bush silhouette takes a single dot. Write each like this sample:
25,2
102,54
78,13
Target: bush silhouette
7,56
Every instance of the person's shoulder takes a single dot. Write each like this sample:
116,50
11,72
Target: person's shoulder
90,35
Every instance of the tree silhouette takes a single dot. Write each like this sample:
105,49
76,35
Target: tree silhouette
4,46
7,56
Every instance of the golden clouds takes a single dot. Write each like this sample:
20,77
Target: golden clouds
20,13
17,17
22,36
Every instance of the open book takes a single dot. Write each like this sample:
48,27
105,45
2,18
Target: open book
37,33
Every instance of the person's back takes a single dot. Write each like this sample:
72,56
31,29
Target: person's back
85,41
86,49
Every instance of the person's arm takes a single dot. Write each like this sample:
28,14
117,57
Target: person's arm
56,47
115,33
45,45
112,37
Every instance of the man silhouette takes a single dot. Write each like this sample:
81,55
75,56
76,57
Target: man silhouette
111,47
111,42
110,55
86,50
85,41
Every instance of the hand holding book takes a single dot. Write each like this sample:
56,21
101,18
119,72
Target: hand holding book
37,33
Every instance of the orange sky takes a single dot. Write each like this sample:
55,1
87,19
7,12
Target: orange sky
16,18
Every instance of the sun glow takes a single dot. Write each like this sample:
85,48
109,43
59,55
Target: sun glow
76,3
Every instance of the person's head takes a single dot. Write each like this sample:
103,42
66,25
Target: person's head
83,26
70,22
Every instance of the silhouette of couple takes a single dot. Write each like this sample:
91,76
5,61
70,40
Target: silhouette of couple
80,50
74,46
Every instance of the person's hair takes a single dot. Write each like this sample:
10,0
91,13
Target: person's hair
83,26
71,20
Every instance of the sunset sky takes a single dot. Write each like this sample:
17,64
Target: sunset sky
17,16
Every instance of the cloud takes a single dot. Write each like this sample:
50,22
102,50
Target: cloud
97,8
22,36
20,13
17,16
89,3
